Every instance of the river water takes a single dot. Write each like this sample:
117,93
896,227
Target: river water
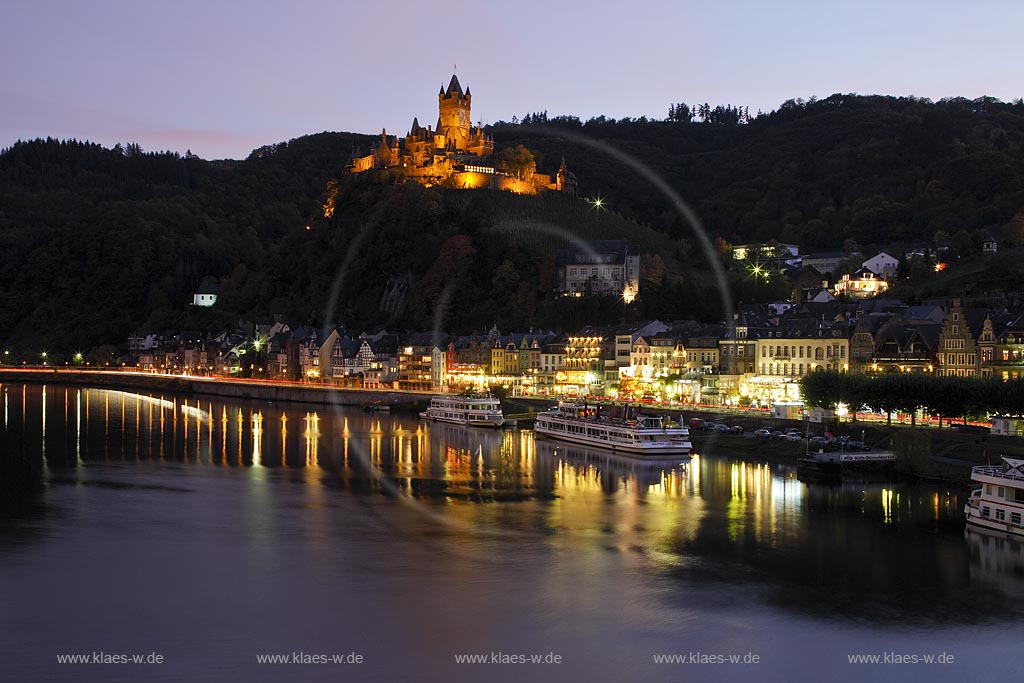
214,533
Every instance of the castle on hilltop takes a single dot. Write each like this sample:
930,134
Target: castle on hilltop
453,154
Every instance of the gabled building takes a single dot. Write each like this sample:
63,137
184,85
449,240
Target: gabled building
906,345
1002,347
884,265
958,353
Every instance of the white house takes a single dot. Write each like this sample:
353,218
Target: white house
883,264
822,296
206,295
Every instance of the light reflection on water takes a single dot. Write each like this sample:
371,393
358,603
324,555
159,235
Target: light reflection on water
703,536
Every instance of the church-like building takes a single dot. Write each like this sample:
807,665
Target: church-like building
452,153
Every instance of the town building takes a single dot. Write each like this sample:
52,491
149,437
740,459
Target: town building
863,283
958,354
206,294
599,268
883,265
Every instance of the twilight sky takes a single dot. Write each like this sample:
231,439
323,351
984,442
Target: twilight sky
221,77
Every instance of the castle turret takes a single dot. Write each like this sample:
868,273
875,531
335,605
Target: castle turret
565,180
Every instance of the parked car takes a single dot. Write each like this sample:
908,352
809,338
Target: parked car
793,436
723,428
710,427
818,442
736,429
762,433
852,445
696,423
778,435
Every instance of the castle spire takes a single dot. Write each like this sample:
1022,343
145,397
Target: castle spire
454,88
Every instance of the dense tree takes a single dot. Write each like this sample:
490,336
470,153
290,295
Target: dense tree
517,161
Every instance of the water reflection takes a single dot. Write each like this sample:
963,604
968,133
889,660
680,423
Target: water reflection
724,528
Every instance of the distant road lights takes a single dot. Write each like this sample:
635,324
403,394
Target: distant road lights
44,356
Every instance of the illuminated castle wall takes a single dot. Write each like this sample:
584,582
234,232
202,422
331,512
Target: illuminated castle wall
452,153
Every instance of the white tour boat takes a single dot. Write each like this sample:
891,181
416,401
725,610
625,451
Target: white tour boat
644,435
474,411
999,503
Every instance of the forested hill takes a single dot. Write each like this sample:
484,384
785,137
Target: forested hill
96,243
870,168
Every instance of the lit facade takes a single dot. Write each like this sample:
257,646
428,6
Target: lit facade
600,268
453,153
861,284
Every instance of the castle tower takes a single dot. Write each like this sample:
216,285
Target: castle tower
565,180
454,108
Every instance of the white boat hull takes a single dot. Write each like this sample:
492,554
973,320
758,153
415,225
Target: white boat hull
489,424
645,450
974,519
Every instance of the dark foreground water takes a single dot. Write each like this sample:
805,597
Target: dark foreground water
215,533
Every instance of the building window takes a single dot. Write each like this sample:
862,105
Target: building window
1000,515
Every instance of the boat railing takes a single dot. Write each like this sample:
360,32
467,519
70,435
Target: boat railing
997,471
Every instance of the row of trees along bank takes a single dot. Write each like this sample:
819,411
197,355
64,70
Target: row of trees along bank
938,396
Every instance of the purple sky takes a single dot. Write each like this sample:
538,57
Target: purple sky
221,77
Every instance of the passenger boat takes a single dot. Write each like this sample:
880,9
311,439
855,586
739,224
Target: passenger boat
647,436
999,503
473,411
